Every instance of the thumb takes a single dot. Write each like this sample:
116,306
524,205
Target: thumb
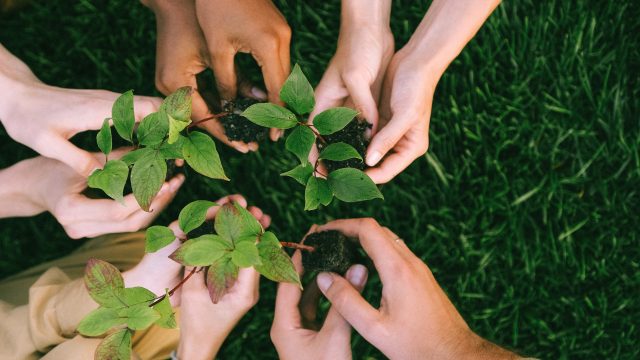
362,97
59,148
387,138
347,300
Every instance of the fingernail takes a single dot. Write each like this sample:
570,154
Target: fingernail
175,184
258,93
373,158
357,274
324,281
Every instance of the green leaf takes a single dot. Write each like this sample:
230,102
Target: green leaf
236,224
194,214
123,116
104,283
276,264
270,115
300,173
339,152
147,176
317,192
158,237
297,92
131,157
111,179
175,127
200,153
334,119
104,137
178,104
116,346
99,321
246,254
153,129
174,150
299,142
202,251
221,276
167,316
353,185
137,296
139,317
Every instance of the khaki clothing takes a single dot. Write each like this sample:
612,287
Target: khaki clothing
41,307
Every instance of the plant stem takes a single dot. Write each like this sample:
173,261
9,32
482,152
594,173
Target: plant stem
178,286
212,117
315,169
316,133
293,245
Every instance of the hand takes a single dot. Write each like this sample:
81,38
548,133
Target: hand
405,110
295,331
365,46
415,319
43,184
44,117
204,325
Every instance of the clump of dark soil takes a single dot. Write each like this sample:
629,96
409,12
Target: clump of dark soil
238,127
172,170
352,134
333,252
205,229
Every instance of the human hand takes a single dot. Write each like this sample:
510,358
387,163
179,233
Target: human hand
44,117
415,319
295,330
204,325
405,111
49,185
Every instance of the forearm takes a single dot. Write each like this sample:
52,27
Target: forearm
16,193
445,30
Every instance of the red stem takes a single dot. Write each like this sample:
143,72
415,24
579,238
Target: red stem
315,132
178,286
212,117
293,245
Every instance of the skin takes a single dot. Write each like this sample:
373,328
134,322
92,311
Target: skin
415,319
196,35
42,184
295,328
45,117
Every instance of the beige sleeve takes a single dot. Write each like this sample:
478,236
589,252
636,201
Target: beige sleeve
56,306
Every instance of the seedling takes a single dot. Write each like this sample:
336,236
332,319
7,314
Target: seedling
349,184
354,135
161,136
239,241
239,128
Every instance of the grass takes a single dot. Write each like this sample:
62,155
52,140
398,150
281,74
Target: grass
525,207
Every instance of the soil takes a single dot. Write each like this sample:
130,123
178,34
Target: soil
172,170
204,229
352,134
333,252
239,128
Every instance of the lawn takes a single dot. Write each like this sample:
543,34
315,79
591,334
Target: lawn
526,206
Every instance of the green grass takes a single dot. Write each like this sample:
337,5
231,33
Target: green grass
526,207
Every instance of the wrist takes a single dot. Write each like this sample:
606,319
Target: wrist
366,12
18,196
196,347
475,347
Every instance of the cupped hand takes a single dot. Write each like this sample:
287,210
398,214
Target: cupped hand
415,319
296,331
405,111
45,117
54,187
204,325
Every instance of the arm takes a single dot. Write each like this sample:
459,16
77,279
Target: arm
411,79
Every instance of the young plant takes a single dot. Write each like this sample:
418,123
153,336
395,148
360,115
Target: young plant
239,241
161,136
348,184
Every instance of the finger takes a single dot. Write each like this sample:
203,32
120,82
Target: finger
357,276
272,72
360,94
391,166
214,128
287,315
237,198
309,305
347,301
387,137
329,93
265,221
374,240
145,105
61,149
247,283
199,108
256,212
224,70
